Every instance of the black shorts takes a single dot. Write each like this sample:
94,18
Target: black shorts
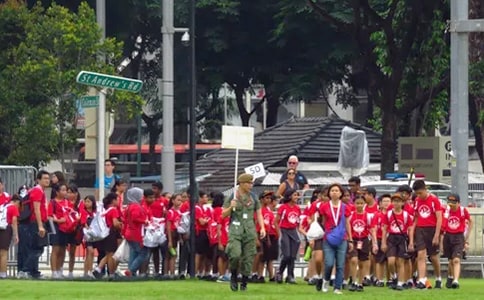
318,245
363,254
454,244
221,253
270,248
110,243
202,244
397,246
423,240
59,238
380,256
175,237
6,238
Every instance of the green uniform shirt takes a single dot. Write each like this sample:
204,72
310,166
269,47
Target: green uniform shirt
242,223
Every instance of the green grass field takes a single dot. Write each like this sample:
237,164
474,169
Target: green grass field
191,289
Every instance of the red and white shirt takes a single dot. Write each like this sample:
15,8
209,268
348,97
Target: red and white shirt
202,212
325,212
289,216
396,221
268,217
426,211
174,217
455,221
361,224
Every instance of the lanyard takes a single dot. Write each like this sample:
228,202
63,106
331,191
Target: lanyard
335,217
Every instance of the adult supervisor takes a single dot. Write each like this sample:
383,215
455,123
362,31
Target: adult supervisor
241,248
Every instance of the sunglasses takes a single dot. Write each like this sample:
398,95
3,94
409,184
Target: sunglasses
292,163
452,201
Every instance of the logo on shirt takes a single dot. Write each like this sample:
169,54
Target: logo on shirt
267,219
359,226
292,217
424,211
395,226
453,223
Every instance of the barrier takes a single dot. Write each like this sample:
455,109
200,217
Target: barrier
15,176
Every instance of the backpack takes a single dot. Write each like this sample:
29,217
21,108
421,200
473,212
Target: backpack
98,230
25,209
336,236
3,216
212,232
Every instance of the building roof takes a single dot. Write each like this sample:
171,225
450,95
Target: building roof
311,139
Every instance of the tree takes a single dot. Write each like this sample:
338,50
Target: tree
394,39
38,80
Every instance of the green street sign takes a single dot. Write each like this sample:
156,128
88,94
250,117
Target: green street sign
109,81
89,101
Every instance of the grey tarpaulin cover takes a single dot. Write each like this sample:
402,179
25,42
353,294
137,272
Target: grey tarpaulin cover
354,156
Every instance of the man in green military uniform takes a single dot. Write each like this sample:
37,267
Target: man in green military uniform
241,248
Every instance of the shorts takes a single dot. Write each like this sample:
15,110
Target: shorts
270,248
423,240
202,244
6,238
110,243
454,244
175,237
318,245
59,238
397,246
221,253
380,256
363,254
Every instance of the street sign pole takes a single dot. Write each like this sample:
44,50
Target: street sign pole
101,136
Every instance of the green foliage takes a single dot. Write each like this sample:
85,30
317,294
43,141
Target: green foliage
37,81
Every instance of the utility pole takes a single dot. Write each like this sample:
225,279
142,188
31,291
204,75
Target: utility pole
460,27
101,110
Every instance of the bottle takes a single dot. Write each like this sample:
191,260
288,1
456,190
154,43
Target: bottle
307,255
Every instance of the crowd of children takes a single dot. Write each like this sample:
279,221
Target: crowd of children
364,235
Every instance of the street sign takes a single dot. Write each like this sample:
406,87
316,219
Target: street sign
256,170
109,81
89,101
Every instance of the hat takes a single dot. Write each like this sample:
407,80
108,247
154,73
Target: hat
397,196
454,197
134,195
369,190
245,178
267,193
404,188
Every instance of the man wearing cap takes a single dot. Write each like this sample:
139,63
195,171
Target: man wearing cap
136,217
300,179
241,248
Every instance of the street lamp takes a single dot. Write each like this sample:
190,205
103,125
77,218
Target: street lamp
193,137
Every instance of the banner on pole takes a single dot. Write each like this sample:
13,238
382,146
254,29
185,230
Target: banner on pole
238,137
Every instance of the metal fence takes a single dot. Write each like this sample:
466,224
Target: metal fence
15,176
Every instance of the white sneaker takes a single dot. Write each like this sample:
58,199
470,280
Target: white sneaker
338,292
70,275
20,274
325,286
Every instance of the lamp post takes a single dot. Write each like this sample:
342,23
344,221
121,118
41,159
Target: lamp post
101,110
193,137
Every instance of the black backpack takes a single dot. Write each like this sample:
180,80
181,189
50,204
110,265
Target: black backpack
25,210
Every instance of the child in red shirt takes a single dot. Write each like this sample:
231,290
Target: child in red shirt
173,218
456,237
87,210
397,240
11,232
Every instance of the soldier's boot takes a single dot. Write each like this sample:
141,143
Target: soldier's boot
234,286
243,285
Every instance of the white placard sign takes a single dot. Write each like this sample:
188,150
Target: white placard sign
238,137
256,170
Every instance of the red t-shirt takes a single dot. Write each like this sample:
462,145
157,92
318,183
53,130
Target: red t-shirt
224,229
426,209
313,208
378,222
85,215
268,217
58,208
289,216
155,209
110,215
200,213
36,194
174,217
185,207
305,218
325,212
455,221
393,220
361,223
12,211
4,198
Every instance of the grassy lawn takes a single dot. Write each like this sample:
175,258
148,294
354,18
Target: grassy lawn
191,289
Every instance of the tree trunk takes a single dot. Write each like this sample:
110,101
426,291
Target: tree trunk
388,144
272,109
239,97
476,102
154,134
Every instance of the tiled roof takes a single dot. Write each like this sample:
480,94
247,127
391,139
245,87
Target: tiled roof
311,139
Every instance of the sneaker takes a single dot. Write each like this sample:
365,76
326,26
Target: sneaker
312,281
353,287
455,285
331,282
254,278
359,288
398,288
366,282
278,278
89,275
325,286
181,277
420,286
319,284
337,292
290,280
261,279
20,275
127,273
448,282
97,274
379,283
223,279
273,279
70,275
438,284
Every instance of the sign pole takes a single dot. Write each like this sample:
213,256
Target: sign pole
101,141
236,167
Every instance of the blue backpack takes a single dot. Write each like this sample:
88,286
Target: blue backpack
336,236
